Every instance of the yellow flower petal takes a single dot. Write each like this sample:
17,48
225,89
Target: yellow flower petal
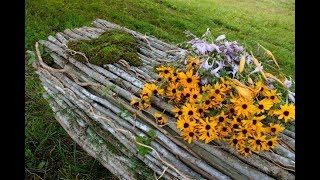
242,63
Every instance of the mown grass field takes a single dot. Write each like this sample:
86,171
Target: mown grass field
50,152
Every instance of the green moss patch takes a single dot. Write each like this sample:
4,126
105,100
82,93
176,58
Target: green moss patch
110,47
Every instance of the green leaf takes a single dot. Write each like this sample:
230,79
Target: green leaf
31,57
152,134
106,89
41,164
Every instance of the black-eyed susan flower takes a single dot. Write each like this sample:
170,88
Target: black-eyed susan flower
178,112
190,111
286,112
202,109
223,131
236,141
245,132
160,119
264,105
195,96
173,91
234,124
244,107
231,111
193,63
257,142
207,136
188,79
273,96
206,87
222,118
155,89
253,121
271,143
185,123
245,150
165,72
135,102
260,88
226,85
218,89
274,129
186,92
189,134
207,130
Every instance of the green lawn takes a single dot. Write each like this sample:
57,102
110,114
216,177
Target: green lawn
50,153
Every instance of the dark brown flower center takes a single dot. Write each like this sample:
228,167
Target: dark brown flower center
187,95
231,110
207,102
136,104
173,90
186,125
273,130
270,143
208,127
143,101
244,106
193,64
260,106
178,79
235,126
238,120
195,96
254,122
180,112
159,118
200,110
258,142
244,131
190,113
224,129
286,113
212,97
155,91
189,80
217,91
159,79
235,141
170,78
191,134
166,71
261,89
272,97
221,119
175,74
246,150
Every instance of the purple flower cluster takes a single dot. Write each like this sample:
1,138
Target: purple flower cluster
221,55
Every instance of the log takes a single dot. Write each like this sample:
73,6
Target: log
79,89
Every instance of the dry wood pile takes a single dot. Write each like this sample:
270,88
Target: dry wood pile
105,125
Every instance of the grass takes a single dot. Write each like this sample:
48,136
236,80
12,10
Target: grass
50,152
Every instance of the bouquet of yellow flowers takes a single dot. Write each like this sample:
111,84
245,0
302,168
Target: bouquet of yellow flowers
222,92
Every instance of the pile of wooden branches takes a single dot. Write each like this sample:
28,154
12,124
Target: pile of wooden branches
93,105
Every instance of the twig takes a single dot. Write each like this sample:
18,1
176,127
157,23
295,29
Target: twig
44,65
162,173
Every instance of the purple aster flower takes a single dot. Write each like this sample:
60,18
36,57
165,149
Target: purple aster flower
288,83
221,37
204,81
291,96
256,69
235,69
205,65
220,66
